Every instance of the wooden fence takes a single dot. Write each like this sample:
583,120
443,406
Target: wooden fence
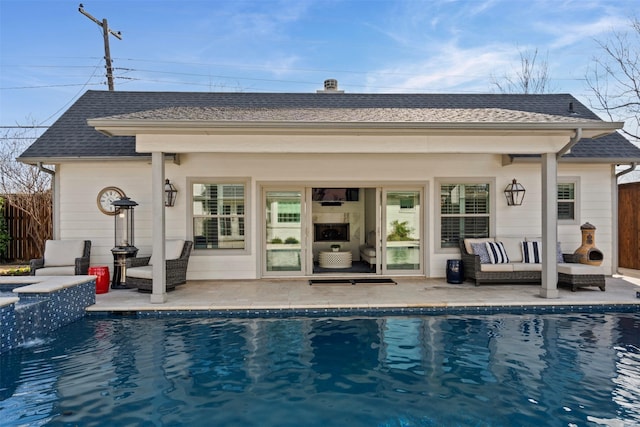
629,225
26,232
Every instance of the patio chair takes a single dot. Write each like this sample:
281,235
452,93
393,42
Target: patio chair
62,258
140,269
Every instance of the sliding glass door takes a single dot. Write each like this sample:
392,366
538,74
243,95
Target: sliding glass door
284,239
402,232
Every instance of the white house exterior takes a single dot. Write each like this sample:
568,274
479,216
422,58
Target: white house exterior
249,166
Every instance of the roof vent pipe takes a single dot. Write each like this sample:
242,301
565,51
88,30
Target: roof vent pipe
330,86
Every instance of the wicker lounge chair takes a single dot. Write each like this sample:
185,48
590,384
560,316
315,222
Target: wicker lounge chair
140,269
62,258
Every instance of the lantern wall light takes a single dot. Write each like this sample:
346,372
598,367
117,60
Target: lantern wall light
514,193
170,193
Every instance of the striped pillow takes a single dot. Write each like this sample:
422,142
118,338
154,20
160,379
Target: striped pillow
497,253
532,252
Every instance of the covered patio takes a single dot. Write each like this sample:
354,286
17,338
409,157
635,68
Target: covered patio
286,297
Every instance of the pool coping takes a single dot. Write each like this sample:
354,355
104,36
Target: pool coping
372,311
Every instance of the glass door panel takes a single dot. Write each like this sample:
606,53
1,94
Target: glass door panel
283,228
402,231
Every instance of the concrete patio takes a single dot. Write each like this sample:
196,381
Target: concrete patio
409,293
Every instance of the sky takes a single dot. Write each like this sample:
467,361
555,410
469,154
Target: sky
50,53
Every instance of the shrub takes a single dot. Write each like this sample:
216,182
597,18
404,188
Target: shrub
276,240
4,234
291,240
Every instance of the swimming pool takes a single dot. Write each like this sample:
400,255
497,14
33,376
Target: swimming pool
485,370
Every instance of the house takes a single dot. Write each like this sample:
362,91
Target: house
269,182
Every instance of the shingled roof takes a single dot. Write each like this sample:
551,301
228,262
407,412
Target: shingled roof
70,137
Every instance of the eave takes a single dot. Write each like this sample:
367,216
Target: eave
67,159
127,127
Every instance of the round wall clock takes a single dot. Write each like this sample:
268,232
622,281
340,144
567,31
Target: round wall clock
106,196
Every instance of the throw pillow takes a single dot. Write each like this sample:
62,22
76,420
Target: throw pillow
480,249
559,256
532,252
497,253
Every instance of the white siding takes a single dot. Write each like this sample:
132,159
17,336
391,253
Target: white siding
80,182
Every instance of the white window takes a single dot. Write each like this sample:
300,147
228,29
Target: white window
568,200
219,215
465,211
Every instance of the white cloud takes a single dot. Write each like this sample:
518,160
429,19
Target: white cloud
570,34
451,69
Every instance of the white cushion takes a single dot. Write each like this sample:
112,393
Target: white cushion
368,251
59,253
468,242
69,270
496,267
497,253
521,266
144,272
172,250
577,269
513,245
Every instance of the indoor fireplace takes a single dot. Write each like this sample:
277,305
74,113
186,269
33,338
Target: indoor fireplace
331,232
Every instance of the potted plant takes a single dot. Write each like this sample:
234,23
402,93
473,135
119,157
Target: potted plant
335,248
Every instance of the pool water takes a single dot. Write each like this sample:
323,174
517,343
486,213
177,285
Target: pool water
493,370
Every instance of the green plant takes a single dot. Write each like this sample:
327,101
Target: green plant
276,240
291,240
401,231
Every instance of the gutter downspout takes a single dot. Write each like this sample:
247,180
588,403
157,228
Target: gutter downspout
54,212
616,232
632,167
572,141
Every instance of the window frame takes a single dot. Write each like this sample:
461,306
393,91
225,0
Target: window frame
243,227
439,182
575,180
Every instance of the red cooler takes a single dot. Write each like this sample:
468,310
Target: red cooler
102,279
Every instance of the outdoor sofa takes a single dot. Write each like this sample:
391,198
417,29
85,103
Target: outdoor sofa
518,260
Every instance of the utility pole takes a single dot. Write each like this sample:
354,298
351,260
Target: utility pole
107,53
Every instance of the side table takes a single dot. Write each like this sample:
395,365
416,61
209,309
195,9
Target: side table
330,259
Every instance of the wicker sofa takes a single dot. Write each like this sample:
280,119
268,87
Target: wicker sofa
140,269
570,272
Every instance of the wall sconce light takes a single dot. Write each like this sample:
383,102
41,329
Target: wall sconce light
169,193
514,193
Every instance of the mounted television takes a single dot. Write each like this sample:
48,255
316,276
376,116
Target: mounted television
335,194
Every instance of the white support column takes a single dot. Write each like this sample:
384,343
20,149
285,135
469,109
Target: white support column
615,258
159,287
549,287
